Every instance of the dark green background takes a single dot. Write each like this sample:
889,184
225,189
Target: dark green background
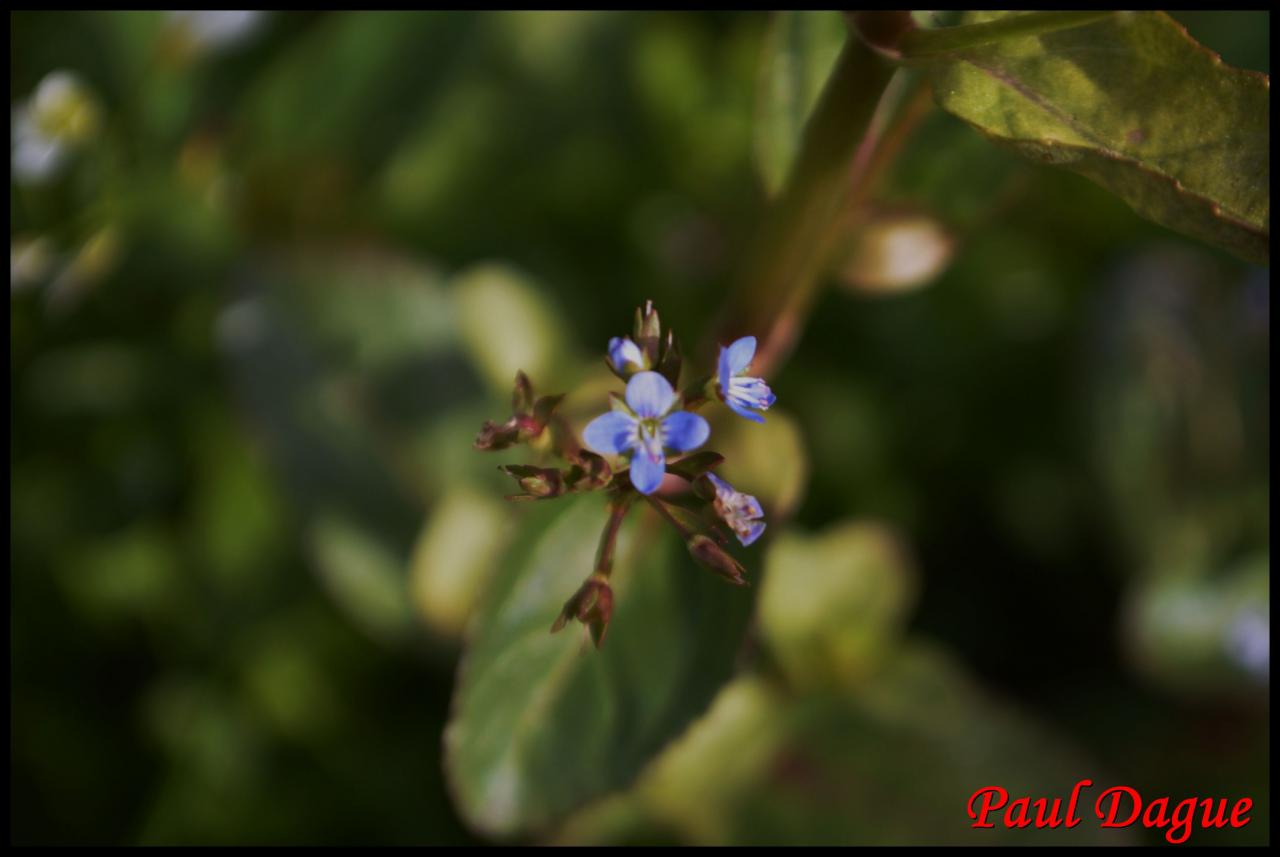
180,673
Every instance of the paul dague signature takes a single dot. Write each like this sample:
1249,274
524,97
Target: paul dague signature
1118,806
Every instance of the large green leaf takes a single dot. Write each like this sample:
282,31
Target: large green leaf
364,576
893,763
507,325
543,723
833,604
455,555
800,51
860,740
1135,104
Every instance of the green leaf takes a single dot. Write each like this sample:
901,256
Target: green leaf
1135,104
800,50
941,41
376,309
454,557
833,604
507,326
130,574
365,578
543,723
768,460
893,763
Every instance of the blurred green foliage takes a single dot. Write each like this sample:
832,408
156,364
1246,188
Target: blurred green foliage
258,314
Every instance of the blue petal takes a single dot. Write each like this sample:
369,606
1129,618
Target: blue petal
649,394
740,353
753,533
723,374
722,488
743,412
683,431
646,471
753,391
623,351
610,434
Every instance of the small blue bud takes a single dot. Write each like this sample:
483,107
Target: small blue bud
625,357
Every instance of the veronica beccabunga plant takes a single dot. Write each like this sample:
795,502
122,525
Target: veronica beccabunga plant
645,447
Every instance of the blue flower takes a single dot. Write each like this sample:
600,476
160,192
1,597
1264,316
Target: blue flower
645,428
625,356
740,511
739,392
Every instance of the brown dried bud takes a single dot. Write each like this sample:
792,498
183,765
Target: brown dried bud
522,394
543,409
592,605
539,483
648,333
706,551
529,418
589,472
493,437
669,368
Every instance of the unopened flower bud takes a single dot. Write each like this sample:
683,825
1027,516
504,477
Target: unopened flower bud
648,333
716,558
522,394
741,512
671,360
529,418
590,471
543,409
625,357
538,482
493,437
592,605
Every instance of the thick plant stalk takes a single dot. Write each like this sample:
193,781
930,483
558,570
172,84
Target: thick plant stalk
780,277
856,128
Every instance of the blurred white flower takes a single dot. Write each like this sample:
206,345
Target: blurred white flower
214,29
85,268
30,260
897,252
35,156
1249,642
59,116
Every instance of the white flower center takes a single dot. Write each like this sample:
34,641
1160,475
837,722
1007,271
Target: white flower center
649,439
749,391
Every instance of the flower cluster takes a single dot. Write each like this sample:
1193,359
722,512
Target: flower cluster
644,447
645,424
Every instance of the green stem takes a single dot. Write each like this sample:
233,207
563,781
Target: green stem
781,274
698,393
666,513
618,506
936,43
